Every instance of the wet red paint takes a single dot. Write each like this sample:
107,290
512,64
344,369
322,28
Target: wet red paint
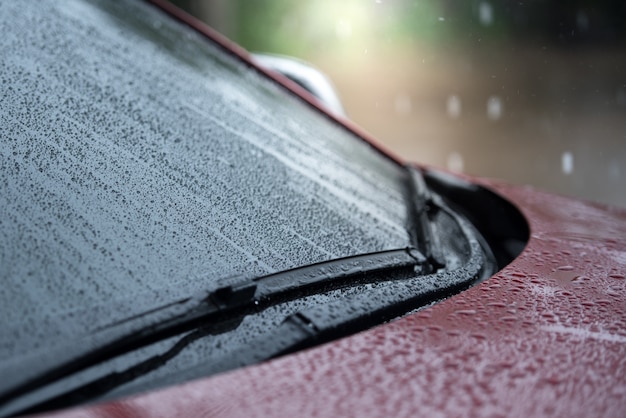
545,336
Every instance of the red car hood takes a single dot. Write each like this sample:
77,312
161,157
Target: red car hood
545,336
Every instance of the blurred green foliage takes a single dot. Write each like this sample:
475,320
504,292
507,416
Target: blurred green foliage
308,26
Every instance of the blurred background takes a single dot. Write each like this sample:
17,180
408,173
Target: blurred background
532,92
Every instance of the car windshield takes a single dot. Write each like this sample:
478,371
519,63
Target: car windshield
141,163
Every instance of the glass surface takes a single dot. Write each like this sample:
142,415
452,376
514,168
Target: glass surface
140,164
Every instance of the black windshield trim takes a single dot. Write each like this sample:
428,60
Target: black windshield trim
420,206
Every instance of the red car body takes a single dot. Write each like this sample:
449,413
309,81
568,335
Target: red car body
544,336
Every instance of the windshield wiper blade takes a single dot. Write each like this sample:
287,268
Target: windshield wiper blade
345,316
217,311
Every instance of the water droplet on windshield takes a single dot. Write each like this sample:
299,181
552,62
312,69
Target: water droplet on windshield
567,163
485,13
582,21
343,29
455,162
494,108
453,106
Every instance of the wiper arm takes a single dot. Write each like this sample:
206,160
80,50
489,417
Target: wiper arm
218,311
348,315
421,229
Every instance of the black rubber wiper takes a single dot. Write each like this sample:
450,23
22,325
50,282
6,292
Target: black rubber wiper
342,317
214,312
348,315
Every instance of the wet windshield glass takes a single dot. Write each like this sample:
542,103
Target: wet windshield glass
140,163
